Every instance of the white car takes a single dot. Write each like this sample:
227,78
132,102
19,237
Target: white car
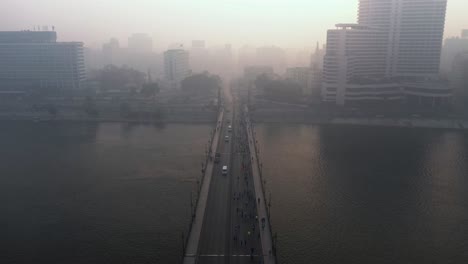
226,138
225,170
229,128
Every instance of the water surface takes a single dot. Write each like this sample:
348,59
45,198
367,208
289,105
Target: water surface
85,193
344,194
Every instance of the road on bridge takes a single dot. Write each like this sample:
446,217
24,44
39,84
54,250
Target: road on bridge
230,231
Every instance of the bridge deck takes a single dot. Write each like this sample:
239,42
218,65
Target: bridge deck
191,249
228,223
266,235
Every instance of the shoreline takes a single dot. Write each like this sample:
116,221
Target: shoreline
107,120
455,124
183,117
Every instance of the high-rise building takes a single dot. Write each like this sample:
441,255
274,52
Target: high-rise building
452,48
35,61
394,42
176,67
459,80
316,58
140,43
355,59
414,30
199,56
111,52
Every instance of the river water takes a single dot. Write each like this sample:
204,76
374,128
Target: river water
114,193
345,194
109,193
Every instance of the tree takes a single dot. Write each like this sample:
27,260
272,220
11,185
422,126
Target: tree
262,81
279,90
52,110
203,83
150,89
90,107
125,110
113,77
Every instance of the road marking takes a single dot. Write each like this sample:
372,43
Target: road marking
217,255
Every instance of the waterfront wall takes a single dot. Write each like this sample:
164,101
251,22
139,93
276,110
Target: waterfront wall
309,117
183,115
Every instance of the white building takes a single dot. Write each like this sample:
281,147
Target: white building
394,41
353,50
35,61
176,67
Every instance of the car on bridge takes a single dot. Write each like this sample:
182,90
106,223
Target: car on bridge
217,157
229,128
225,170
226,138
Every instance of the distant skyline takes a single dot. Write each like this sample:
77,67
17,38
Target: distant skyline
285,23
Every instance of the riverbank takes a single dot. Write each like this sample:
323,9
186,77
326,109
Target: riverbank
304,117
195,117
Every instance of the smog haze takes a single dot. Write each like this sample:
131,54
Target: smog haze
289,24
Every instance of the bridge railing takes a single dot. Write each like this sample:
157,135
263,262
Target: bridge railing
204,165
250,126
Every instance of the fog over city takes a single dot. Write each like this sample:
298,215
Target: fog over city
234,131
286,23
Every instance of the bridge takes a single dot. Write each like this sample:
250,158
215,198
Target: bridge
230,223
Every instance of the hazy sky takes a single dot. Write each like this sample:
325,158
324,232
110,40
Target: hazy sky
286,23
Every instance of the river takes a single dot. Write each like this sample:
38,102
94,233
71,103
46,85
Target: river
117,193
343,194
86,193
